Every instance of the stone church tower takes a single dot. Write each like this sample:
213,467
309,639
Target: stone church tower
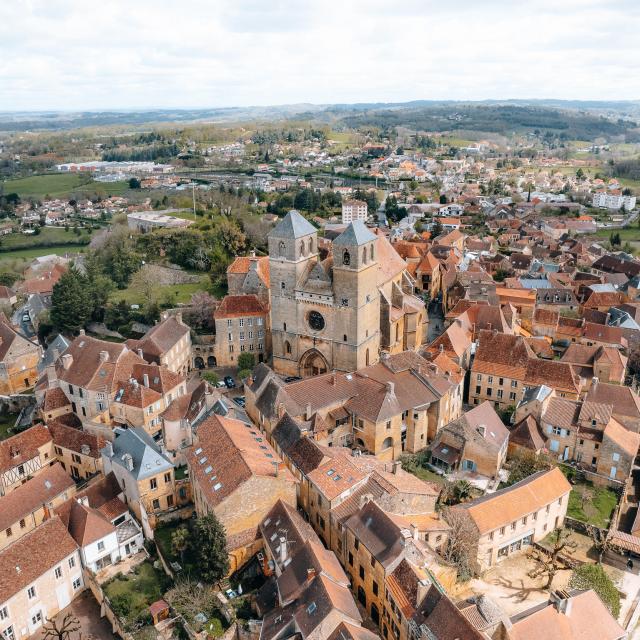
325,315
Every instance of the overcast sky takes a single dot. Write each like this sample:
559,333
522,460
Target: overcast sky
74,54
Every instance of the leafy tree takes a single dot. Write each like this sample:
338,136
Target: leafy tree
243,374
443,198
436,228
246,360
525,463
71,302
393,211
211,377
180,541
8,278
210,544
593,576
134,183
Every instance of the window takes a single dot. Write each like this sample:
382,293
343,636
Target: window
241,322
524,520
72,562
8,634
76,458
490,379
58,451
489,391
241,347
169,501
4,613
513,526
534,515
479,377
512,395
499,393
230,336
375,588
242,335
501,531
23,524
557,431
361,572
500,381
514,383
31,593
36,618
58,573
616,457
356,544
8,532
389,426
101,546
282,285
351,558
491,536
167,477
478,389
548,507
153,483
156,504
229,322
77,583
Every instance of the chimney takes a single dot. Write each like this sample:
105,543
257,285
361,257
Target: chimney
52,376
307,413
283,550
145,378
441,348
140,353
277,468
109,449
334,378
397,465
104,356
85,450
81,332
280,409
128,461
67,361
311,573
594,382
561,601
178,316
55,353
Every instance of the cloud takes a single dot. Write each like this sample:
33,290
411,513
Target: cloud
66,54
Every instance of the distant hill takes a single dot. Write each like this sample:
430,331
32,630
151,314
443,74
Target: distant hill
568,119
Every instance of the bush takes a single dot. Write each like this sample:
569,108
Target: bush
243,374
593,576
246,361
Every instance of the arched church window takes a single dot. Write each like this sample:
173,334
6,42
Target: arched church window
371,253
284,326
310,245
364,256
346,258
282,248
366,355
287,347
303,249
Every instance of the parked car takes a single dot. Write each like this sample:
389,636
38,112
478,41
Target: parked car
220,384
292,379
26,317
241,400
229,382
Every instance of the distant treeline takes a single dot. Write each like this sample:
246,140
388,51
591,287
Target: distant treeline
498,119
627,169
144,154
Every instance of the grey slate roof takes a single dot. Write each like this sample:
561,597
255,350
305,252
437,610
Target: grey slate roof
59,343
355,234
293,225
147,458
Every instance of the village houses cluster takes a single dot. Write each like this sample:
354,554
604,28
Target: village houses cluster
390,365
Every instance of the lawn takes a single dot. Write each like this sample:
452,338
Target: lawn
628,234
173,293
162,537
131,594
61,185
427,475
54,236
592,504
36,252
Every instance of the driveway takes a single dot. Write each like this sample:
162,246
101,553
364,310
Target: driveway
436,321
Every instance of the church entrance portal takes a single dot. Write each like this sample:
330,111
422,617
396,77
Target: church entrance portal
313,363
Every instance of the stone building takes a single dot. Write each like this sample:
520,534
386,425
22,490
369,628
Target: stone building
337,313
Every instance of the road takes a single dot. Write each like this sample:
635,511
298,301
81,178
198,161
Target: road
26,328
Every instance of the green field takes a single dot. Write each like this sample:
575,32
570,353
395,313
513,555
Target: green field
592,504
47,235
176,293
61,185
628,234
36,252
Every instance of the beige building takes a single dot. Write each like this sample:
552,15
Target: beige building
167,343
37,579
241,327
145,475
237,475
510,520
338,312
19,360
26,508
353,210
77,451
24,456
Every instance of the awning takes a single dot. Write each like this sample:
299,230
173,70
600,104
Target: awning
448,454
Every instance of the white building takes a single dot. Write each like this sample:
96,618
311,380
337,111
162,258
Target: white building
145,221
604,200
353,210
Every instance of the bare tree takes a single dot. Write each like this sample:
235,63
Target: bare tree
190,598
601,542
462,542
62,629
548,563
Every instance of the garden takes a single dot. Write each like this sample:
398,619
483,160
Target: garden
592,504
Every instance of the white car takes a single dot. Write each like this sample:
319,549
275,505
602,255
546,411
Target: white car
26,317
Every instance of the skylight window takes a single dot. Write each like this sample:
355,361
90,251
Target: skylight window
209,469
311,608
203,459
198,451
336,478
331,472
217,486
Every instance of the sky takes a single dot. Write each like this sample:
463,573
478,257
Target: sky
138,54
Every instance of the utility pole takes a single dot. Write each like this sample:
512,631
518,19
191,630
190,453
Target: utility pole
193,191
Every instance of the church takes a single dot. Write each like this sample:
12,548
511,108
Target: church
338,312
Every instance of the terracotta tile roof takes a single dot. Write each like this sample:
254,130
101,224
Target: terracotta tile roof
526,433
103,493
503,507
627,440
23,446
243,265
389,263
33,555
161,337
86,525
586,618
75,439
55,398
228,453
348,631
27,498
237,306
545,316
562,413
403,585
12,344
626,404
336,476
